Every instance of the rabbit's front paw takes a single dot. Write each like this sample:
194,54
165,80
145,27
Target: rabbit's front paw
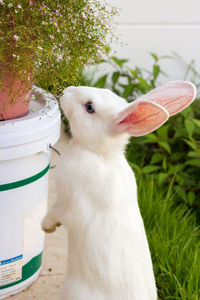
48,224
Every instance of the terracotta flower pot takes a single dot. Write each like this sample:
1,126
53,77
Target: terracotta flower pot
15,92
15,85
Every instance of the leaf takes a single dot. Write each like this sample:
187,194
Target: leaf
164,164
190,127
193,154
161,177
163,132
134,73
191,197
115,77
173,169
151,138
128,90
119,62
107,49
150,169
156,71
181,193
196,121
193,162
135,167
166,146
156,158
143,83
191,144
177,155
152,84
155,57
179,179
101,82
180,132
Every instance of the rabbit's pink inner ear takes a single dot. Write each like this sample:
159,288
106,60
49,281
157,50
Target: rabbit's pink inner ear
141,117
173,96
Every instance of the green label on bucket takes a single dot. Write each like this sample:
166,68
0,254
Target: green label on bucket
20,183
28,270
10,270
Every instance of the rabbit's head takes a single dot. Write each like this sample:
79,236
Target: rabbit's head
101,121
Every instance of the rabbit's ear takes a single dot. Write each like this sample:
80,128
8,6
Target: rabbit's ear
140,118
173,96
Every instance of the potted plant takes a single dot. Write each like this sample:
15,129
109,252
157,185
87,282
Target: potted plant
47,42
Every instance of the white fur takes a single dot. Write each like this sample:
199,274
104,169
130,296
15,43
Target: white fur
108,254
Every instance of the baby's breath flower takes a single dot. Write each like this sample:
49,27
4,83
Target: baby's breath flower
16,37
1,2
60,57
10,5
51,36
19,6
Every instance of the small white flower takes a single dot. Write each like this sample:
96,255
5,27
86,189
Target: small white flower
19,6
58,30
29,78
10,5
16,11
51,36
1,2
17,57
14,55
40,48
16,37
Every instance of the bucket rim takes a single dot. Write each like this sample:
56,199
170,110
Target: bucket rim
33,132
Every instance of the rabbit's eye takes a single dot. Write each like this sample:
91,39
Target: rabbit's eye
89,107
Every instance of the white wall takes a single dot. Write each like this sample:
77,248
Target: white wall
159,26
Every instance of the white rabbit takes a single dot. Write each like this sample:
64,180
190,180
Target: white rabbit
108,253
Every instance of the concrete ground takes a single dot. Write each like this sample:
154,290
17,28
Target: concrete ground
47,286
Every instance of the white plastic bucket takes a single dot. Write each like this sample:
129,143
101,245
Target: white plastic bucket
24,165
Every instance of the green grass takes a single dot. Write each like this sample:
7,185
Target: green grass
174,241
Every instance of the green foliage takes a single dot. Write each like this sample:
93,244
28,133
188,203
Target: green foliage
58,36
173,151
174,240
